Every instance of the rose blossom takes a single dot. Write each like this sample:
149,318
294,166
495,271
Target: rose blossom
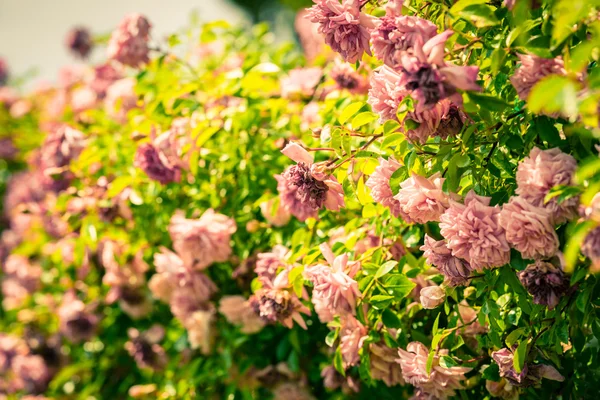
237,311
301,82
204,241
31,373
348,78
128,44
395,33
103,76
532,70
277,303
440,382
384,366
120,98
432,297
155,164
21,278
528,229
268,264
379,183
304,188
531,374
200,327
144,347
352,336
79,41
473,232
422,199
545,281
77,322
541,171
455,270
274,213
291,391
345,28
334,292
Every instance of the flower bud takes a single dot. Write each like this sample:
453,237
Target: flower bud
432,297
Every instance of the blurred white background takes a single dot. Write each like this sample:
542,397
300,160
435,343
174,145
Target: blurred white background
32,32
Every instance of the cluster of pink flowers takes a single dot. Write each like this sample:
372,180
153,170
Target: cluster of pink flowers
145,349
128,44
440,383
238,311
335,292
306,187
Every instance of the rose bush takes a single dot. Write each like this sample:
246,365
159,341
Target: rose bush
408,209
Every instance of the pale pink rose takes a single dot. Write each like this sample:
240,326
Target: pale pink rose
539,173
237,311
455,270
345,27
155,164
545,281
268,264
352,337
274,213
301,82
531,374
61,146
103,76
532,70
432,297
120,99
83,98
347,78
204,241
277,302
422,199
379,183
79,41
384,366
76,320
128,43
31,372
201,330
385,93
528,229
313,43
185,290
395,33
441,383
310,116
21,278
10,347
335,292
20,108
304,188
473,232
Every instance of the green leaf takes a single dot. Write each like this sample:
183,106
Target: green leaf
520,356
390,319
491,373
481,15
338,362
385,268
363,118
331,337
399,285
562,193
547,131
567,13
447,362
381,301
461,4
436,325
489,102
504,300
554,94
514,337
349,111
